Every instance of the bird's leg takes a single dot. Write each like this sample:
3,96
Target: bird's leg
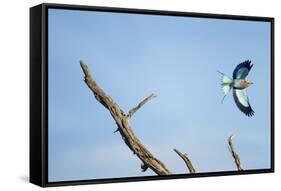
223,99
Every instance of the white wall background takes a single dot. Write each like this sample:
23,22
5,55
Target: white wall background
14,94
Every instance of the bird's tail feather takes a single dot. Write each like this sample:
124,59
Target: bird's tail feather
226,84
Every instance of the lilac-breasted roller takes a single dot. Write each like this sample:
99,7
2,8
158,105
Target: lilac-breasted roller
238,84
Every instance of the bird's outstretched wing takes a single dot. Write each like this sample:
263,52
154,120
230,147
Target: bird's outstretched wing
242,102
242,70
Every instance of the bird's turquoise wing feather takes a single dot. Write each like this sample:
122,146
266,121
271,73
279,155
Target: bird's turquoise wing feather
242,70
242,73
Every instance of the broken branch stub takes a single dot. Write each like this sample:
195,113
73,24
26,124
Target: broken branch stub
234,155
187,161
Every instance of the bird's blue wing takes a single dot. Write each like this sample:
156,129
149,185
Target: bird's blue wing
242,70
242,102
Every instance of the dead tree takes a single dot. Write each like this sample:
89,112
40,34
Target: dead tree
122,121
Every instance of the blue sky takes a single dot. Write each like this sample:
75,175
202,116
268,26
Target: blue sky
130,57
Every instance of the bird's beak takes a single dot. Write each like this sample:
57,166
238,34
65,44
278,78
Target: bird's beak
249,83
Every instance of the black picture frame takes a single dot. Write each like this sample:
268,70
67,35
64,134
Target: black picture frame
39,93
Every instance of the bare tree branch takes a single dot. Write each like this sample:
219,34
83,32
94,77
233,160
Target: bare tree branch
186,161
135,109
234,154
123,124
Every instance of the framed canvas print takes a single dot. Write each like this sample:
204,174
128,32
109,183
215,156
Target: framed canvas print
122,95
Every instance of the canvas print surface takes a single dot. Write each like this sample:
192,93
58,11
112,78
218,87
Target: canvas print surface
133,95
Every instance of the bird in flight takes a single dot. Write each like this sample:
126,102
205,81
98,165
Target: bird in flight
238,83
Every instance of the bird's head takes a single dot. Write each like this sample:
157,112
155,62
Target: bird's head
249,83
